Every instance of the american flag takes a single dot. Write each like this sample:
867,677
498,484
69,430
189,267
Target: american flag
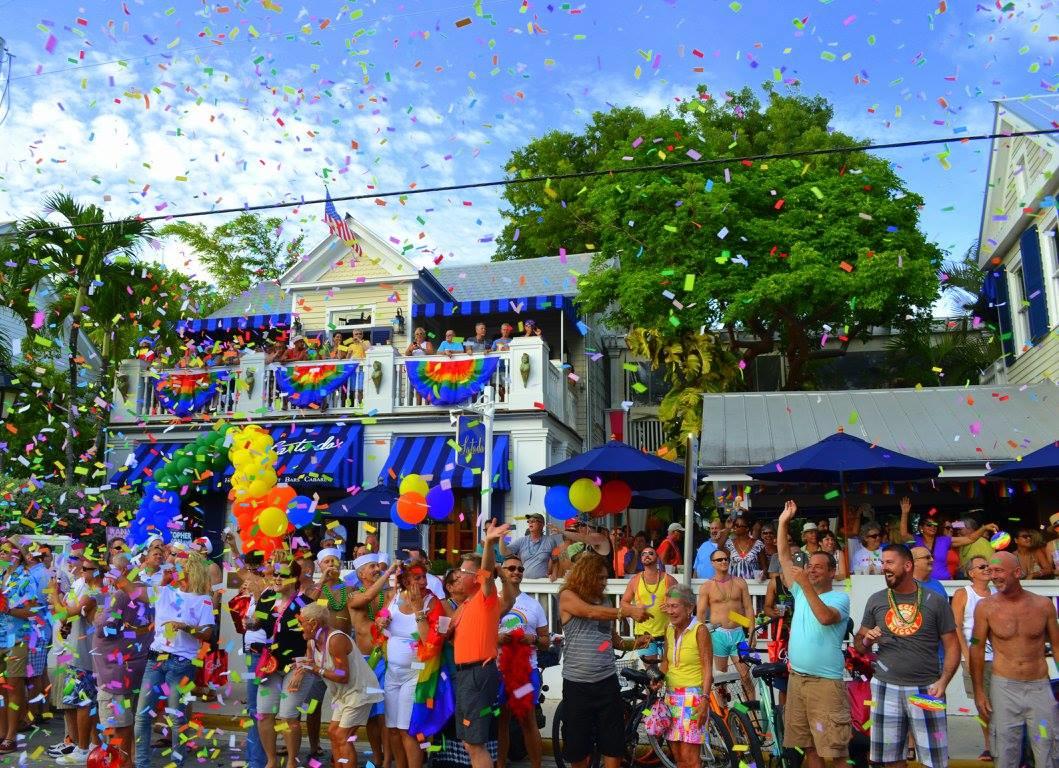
336,223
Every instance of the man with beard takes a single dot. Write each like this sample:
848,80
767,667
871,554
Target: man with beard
364,605
649,589
593,720
907,622
1016,624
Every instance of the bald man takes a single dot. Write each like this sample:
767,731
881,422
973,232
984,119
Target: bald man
1016,623
922,566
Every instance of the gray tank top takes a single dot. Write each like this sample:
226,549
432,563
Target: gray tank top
588,655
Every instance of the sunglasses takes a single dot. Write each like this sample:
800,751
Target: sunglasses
980,567
871,535
719,559
515,568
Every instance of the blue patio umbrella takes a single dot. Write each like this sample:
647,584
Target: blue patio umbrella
1042,464
616,461
372,504
841,457
658,498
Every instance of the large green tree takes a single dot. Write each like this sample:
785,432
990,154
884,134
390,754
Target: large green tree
773,254
239,253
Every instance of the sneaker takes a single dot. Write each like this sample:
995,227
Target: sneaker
74,757
62,748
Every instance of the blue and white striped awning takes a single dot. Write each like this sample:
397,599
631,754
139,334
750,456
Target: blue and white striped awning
433,457
509,305
327,454
206,326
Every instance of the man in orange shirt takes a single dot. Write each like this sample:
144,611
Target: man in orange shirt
475,629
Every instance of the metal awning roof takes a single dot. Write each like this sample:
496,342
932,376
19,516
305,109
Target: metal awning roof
960,428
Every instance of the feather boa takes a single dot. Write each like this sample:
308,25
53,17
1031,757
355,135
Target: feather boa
514,664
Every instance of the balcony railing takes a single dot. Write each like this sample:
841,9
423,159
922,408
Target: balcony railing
525,379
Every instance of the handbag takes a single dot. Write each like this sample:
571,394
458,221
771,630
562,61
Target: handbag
237,608
659,719
268,663
214,669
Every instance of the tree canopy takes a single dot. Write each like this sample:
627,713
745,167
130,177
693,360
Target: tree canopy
239,253
773,253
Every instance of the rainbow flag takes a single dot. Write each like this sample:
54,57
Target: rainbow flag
185,393
447,382
308,385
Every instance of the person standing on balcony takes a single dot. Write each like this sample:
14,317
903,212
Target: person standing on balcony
649,589
670,551
357,347
939,546
419,345
537,550
503,343
531,329
191,358
477,344
1017,624
450,346
298,353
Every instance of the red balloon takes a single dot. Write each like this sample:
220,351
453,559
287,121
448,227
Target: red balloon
412,507
615,496
104,758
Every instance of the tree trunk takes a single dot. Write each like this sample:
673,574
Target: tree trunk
71,411
105,392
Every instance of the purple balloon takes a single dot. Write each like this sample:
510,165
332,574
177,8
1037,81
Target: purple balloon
440,502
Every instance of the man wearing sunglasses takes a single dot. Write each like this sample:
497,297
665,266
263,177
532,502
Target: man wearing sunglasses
720,598
525,623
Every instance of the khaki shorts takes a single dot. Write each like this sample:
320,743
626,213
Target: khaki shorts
817,716
59,677
116,710
987,679
14,661
349,715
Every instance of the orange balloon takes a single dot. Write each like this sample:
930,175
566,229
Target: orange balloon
280,496
412,507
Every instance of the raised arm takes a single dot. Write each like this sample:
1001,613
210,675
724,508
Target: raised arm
358,599
493,533
790,509
962,541
906,510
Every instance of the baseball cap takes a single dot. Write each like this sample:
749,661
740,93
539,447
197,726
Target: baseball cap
572,523
535,516
675,527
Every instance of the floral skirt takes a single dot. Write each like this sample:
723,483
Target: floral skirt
683,704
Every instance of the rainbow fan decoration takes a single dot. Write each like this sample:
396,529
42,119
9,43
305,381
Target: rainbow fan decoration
446,382
185,393
308,385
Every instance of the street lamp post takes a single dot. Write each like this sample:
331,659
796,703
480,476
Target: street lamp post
485,407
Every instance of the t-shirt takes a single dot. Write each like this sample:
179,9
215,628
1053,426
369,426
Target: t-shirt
19,588
116,645
528,614
669,553
81,632
908,648
450,346
702,566
815,648
501,344
477,625
536,555
287,641
865,560
474,346
184,608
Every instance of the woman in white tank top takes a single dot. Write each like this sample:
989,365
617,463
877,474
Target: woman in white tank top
964,602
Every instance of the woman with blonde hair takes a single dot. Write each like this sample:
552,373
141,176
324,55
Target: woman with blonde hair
183,623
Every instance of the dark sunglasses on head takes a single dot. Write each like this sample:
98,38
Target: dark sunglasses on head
515,568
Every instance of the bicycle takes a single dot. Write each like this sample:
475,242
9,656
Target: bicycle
766,713
642,749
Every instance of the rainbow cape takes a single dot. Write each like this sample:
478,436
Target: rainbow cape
435,700
185,393
447,382
308,385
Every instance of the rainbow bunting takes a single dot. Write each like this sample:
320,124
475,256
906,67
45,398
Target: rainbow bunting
308,385
185,393
446,382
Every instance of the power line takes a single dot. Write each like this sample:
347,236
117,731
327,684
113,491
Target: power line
702,163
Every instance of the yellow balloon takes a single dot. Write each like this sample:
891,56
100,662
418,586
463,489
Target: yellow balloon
273,522
241,480
414,484
585,495
258,487
238,457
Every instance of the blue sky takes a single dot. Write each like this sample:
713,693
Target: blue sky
160,107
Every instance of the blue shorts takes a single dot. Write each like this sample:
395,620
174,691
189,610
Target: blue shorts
535,681
379,708
657,647
726,641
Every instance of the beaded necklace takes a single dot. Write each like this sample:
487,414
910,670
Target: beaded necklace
897,614
373,610
343,598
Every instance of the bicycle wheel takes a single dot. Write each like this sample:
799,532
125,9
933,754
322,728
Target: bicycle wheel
744,737
557,741
663,756
717,748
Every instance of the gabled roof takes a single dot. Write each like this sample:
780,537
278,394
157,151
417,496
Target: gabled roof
331,249
960,428
1040,112
554,275
266,298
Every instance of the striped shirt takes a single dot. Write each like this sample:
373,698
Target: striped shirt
588,655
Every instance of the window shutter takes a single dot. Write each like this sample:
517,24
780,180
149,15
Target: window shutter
997,291
1033,273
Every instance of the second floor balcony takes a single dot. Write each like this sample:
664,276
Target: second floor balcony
523,378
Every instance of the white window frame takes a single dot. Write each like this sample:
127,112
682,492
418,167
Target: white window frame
1020,318
334,313
1050,264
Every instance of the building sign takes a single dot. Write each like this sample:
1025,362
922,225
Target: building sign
470,437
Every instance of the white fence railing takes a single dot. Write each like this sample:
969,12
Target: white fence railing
646,434
405,395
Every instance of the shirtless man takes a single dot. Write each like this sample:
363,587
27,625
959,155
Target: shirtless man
1017,624
364,604
334,592
719,598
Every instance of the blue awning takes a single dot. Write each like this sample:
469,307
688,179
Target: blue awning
513,304
324,455
206,326
434,457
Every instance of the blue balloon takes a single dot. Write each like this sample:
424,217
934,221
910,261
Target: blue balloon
396,520
557,503
440,502
300,511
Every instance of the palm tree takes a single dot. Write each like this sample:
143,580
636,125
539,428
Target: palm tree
83,247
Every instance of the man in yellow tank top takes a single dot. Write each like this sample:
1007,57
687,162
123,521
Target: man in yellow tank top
648,588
